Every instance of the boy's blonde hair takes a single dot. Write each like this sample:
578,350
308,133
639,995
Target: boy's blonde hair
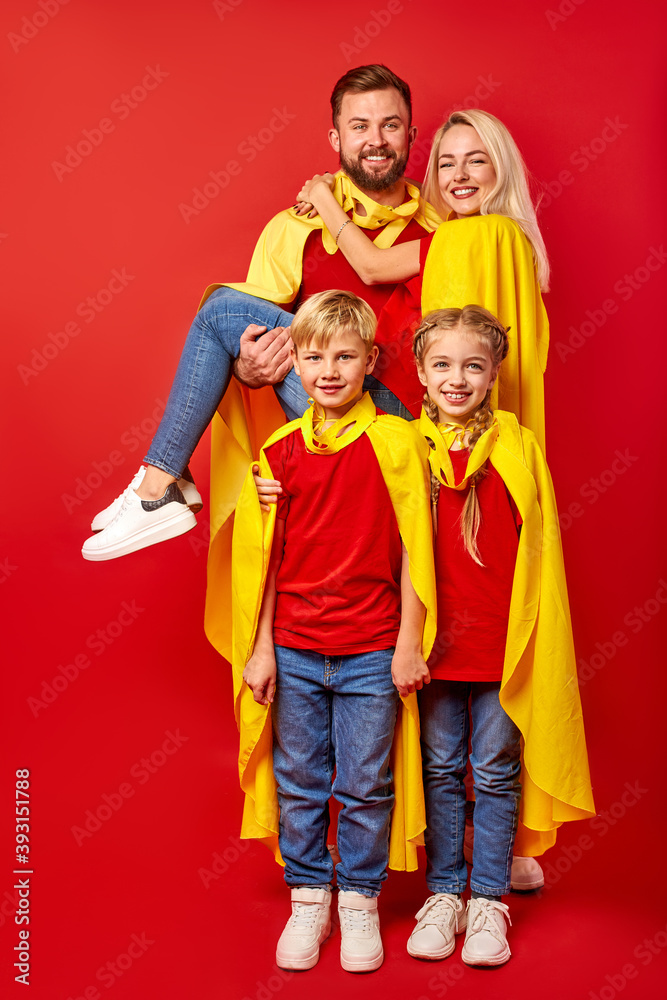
327,313
488,330
511,194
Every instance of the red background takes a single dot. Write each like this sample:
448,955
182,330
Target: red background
554,78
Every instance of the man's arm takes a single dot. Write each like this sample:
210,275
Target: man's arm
260,670
408,668
264,356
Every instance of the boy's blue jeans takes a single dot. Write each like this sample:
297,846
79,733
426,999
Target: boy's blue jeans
446,710
334,711
205,368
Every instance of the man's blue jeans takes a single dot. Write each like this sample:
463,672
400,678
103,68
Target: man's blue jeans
334,711
205,368
447,709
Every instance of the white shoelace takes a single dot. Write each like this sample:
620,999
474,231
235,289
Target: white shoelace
483,918
438,909
304,915
356,922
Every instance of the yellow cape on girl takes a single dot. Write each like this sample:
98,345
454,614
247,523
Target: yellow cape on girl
539,689
400,457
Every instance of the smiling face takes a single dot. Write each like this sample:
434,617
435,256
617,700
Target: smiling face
466,175
373,139
458,370
333,375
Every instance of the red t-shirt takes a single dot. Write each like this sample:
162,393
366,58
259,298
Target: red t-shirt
474,601
339,582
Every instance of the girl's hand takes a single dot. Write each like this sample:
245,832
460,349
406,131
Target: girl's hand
306,198
268,490
260,675
409,671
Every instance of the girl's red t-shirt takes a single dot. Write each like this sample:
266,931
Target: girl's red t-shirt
473,600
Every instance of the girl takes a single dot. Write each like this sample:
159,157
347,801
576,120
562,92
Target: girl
502,666
495,255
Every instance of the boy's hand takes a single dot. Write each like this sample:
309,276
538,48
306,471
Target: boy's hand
409,671
268,490
260,675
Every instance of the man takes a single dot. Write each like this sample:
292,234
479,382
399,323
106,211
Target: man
295,257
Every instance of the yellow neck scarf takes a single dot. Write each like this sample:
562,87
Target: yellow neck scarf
440,443
342,432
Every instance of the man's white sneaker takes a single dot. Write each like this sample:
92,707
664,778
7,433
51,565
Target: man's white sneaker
309,925
361,944
440,919
140,523
188,489
527,874
486,934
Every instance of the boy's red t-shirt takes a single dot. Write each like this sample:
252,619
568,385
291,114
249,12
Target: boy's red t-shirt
473,600
339,582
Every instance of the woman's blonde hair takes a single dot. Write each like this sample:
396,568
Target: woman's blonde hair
327,313
510,195
489,331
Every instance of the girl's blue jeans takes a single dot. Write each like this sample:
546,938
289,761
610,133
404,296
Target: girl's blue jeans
205,368
447,709
334,712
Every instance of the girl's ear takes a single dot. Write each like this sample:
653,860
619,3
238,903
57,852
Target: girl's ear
421,375
372,358
494,376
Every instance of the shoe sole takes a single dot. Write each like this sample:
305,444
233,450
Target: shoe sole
358,966
437,956
528,886
496,960
174,526
309,961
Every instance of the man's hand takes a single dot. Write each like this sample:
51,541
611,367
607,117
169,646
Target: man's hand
409,671
264,357
260,675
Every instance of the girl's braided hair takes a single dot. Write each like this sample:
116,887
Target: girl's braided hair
479,323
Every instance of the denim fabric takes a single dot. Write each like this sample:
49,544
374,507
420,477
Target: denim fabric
205,368
447,709
340,712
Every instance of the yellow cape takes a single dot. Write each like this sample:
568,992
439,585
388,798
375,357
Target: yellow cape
397,448
539,689
246,417
488,261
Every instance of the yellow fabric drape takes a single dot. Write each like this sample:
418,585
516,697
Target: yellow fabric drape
488,261
539,689
401,457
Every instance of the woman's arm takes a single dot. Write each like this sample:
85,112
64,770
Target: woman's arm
373,265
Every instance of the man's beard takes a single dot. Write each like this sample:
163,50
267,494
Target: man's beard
370,182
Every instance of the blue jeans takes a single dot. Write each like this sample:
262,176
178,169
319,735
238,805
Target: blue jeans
334,711
496,767
205,368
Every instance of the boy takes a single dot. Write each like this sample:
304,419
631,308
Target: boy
333,597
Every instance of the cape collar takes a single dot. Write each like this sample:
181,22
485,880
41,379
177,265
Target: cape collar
377,216
440,440
340,434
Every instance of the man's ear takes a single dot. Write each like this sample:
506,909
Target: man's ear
372,358
334,139
412,135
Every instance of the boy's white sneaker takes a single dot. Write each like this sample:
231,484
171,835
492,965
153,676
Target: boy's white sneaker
105,517
309,925
440,919
486,934
140,523
361,944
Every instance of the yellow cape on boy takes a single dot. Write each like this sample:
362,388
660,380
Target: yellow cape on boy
539,688
400,459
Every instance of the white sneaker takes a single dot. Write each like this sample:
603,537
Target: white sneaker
188,489
361,944
486,934
140,523
440,919
309,925
527,874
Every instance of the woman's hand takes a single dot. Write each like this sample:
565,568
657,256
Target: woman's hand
268,490
306,199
